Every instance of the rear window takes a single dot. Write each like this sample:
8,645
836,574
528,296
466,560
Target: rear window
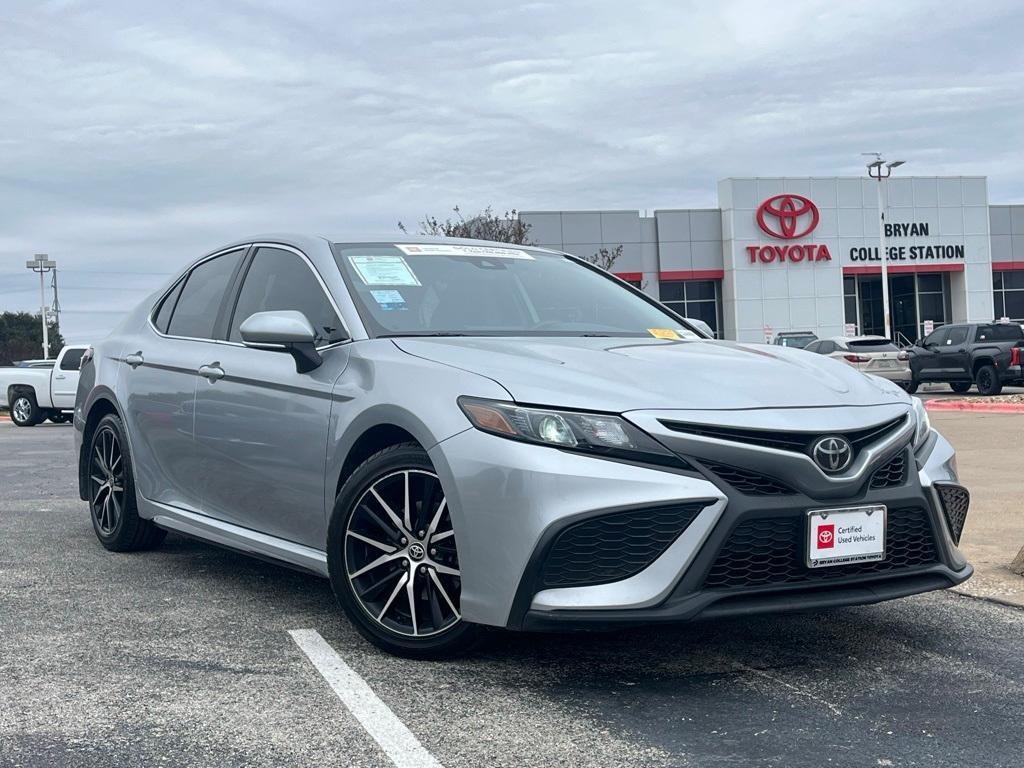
1000,332
872,345
196,310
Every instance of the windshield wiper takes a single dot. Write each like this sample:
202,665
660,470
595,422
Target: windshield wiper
420,333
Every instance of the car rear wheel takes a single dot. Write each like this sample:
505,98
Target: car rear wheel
115,518
393,559
987,379
24,410
960,386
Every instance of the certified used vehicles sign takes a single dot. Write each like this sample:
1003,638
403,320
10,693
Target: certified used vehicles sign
845,535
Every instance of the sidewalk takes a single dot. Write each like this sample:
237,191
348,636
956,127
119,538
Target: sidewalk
990,456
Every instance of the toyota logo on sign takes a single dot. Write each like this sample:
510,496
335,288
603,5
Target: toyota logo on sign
832,454
787,216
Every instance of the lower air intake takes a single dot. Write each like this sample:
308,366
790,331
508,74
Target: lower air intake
955,501
614,546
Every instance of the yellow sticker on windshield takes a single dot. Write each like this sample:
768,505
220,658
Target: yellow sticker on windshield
663,333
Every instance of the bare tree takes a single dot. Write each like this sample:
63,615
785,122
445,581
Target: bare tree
486,225
605,258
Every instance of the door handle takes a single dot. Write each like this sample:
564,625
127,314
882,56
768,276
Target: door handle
213,371
60,378
135,359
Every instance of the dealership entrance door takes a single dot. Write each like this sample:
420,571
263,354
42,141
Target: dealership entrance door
914,298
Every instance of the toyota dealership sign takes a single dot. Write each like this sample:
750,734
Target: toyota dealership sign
788,217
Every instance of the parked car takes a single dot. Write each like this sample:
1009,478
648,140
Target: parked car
986,354
868,354
37,393
460,433
795,339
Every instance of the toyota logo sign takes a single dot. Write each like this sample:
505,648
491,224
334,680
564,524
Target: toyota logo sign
787,216
832,454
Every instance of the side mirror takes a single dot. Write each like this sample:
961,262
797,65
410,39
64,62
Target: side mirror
286,331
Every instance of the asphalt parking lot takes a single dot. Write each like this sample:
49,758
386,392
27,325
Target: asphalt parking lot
183,657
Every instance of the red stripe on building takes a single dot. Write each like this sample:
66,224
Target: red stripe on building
904,268
1007,266
632,277
693,274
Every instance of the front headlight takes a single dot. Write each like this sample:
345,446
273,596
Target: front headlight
594,433
923,425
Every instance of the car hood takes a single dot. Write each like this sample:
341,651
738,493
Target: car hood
620,374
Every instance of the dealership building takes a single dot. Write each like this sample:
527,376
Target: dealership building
799,254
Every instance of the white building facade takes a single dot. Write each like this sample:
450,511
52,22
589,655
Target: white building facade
801,254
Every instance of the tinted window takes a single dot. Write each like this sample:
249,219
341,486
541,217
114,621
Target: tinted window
1000,332
813,346
957,336
873,345
827,347
163,314
195,313
937,337
72,360
279,279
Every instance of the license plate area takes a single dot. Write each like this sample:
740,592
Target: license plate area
845,535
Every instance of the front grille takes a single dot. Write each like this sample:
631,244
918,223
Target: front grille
614,546
798,442
748,482
892,474
955,501
771,550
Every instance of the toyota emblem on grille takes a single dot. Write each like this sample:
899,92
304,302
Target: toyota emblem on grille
831,453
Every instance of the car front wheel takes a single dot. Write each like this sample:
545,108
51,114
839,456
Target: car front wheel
960,386
393,558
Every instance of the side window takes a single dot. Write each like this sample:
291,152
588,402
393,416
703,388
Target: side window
163,314
72,360
195,313
827,347
279,279
957,336
814,346
937,337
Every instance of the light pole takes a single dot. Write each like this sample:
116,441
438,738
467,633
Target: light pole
880,170
42,265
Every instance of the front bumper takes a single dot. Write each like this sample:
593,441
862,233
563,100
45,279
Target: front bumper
511,501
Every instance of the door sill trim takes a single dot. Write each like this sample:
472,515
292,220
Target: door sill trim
236,537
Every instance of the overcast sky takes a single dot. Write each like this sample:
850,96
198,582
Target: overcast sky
135,136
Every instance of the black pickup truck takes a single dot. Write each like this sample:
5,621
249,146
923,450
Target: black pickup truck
987,354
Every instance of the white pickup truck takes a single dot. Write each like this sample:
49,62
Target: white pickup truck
36,394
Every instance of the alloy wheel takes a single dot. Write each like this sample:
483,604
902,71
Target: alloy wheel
106,480
400,555
22,409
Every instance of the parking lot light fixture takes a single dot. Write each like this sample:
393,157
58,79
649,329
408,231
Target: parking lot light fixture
42,264
880,170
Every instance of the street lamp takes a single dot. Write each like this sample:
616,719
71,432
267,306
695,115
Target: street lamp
880,170
42,264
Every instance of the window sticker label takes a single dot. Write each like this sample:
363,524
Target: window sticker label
383,270
443,249
663,333
389,300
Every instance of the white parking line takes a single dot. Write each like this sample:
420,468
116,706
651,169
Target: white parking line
374,715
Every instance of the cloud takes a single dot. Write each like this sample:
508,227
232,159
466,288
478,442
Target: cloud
134,137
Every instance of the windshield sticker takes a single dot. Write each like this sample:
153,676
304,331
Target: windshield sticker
389,300
444,249
383,270
663,333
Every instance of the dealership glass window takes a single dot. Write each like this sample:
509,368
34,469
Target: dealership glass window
850,300
698,299
1008,292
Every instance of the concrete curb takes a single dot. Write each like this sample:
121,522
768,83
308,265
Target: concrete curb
956,405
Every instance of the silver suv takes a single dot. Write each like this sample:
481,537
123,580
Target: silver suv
461,434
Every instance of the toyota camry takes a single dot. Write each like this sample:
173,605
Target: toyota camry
462,434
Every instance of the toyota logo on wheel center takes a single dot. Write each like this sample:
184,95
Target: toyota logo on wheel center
789,216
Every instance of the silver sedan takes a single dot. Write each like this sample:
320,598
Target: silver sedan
463,434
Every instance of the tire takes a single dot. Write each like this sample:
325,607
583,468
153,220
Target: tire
987,379
25,412
910,387
960,386
111,484
422,621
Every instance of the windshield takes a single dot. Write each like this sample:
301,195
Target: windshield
445,289
798,342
